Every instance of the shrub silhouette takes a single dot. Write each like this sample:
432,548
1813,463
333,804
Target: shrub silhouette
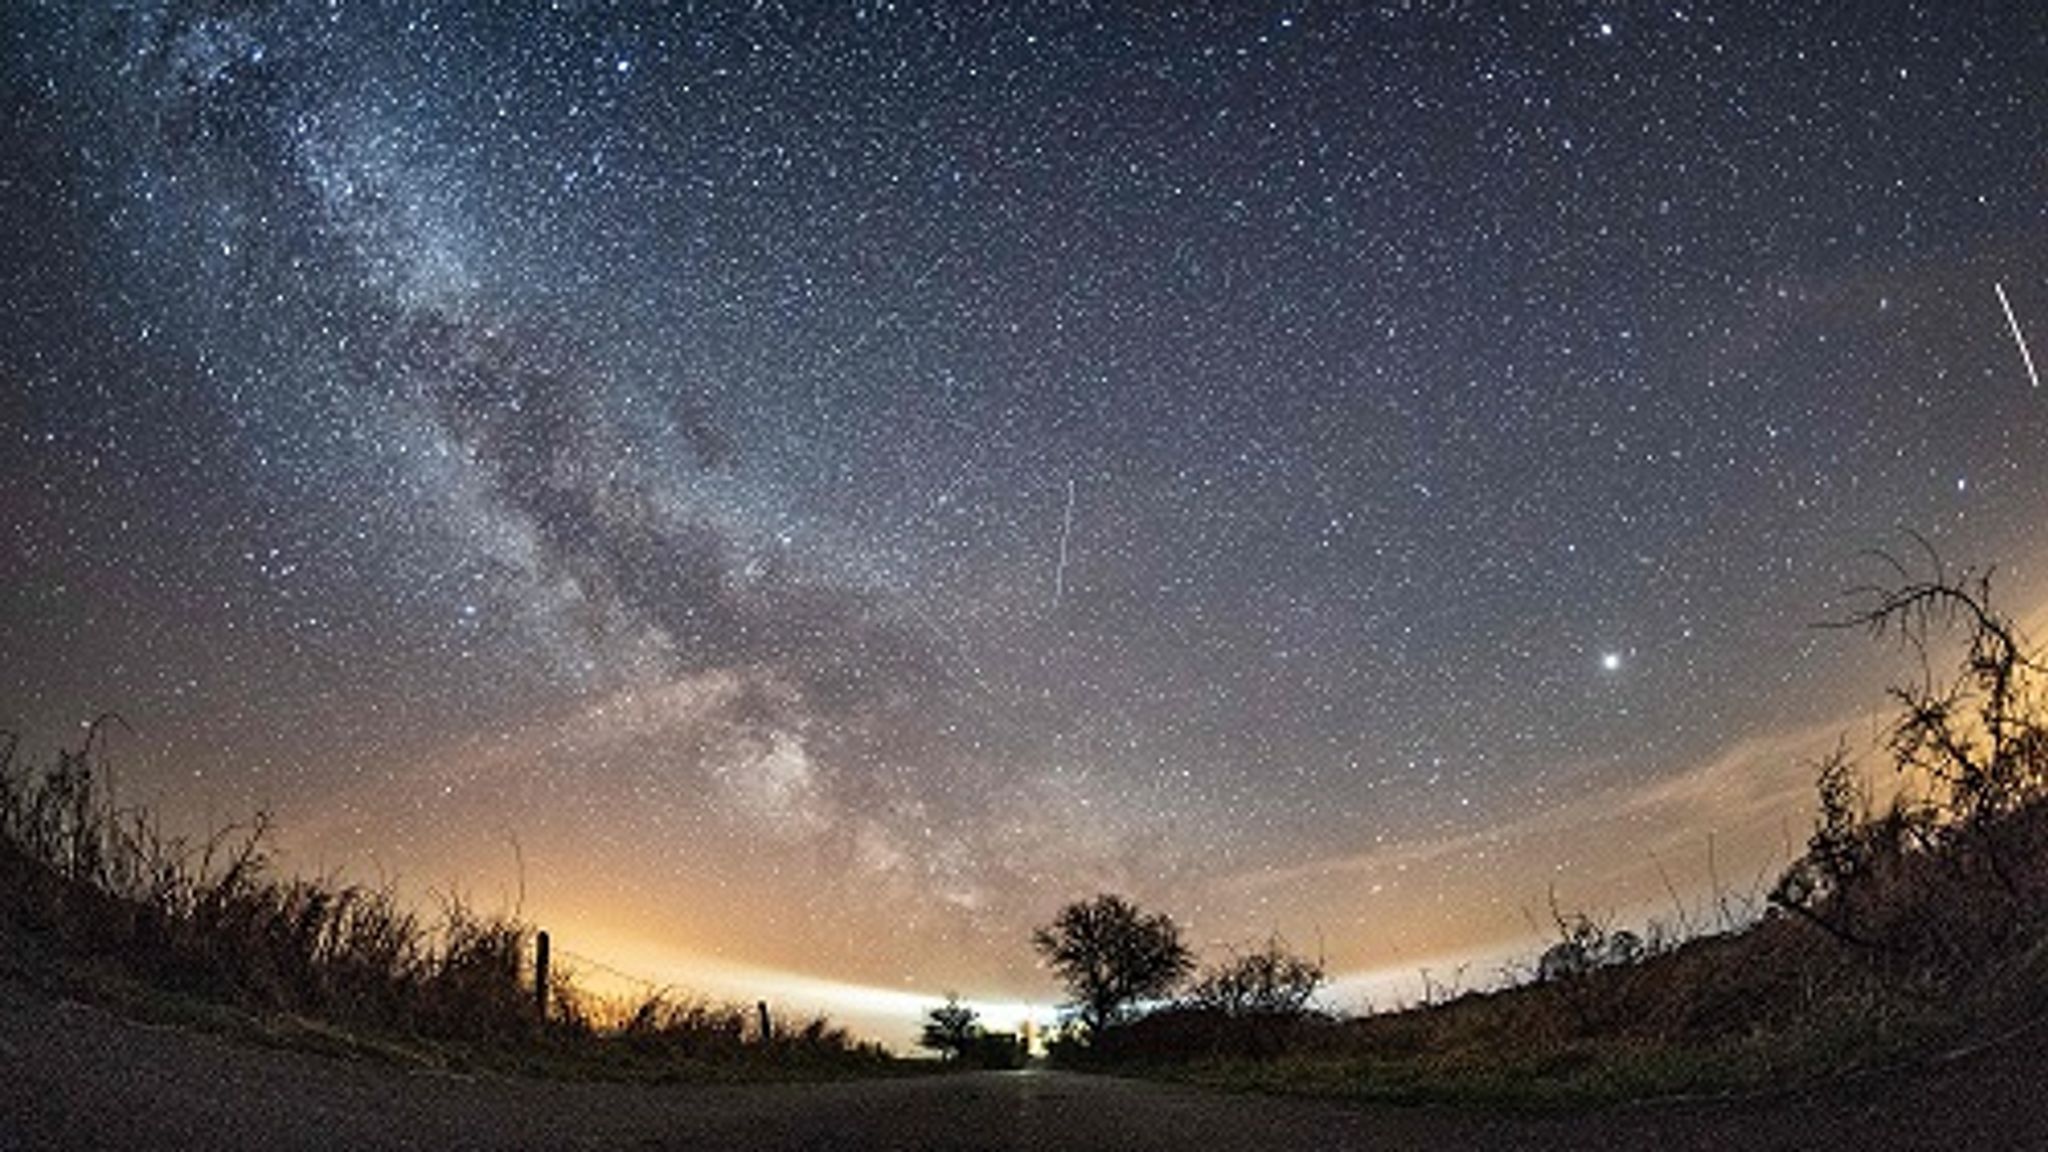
996,1050
1938,887
1256,1002
950,1029
1586,946
1268,981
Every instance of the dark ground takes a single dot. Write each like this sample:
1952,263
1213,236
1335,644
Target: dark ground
79,1077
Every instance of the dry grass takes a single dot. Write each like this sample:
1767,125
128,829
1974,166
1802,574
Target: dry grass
1896,932
164,924
1776,1004
1948,950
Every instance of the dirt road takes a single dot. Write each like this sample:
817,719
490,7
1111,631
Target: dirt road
76,1077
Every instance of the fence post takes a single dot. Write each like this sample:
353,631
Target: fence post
540,975
767,1026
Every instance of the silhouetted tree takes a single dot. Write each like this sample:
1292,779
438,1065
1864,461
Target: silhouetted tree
1980,734
1111,955
951,1029
1271,981
1944,878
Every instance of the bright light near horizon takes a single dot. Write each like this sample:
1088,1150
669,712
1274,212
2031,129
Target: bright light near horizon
891,1016
894,1016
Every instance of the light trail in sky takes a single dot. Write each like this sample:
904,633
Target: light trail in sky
1059,575
2017,338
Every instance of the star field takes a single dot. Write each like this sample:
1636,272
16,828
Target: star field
833,482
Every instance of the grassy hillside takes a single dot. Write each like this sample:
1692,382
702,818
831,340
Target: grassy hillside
97,900
1899,933
1777,1004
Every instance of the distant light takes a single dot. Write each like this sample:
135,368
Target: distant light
1610,661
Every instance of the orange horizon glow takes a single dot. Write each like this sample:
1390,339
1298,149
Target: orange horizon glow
1693,849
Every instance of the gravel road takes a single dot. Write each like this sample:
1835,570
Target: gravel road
77,1077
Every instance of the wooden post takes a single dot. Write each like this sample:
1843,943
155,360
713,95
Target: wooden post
540,975
767,1026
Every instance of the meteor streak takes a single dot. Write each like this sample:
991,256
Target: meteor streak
1059,574
2018,339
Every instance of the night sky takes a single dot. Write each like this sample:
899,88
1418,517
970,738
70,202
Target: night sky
806,489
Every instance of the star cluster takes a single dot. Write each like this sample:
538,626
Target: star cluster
804,468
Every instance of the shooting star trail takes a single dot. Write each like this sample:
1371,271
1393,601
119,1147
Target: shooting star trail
2014,322
1059,574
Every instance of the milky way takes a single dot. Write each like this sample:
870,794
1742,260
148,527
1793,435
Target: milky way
832,482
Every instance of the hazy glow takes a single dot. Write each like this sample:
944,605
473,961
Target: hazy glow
786,497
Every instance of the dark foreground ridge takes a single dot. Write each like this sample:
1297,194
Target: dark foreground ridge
80,1077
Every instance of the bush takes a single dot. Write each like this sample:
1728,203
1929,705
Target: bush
1938,889
1268,981
996,1050
950,1029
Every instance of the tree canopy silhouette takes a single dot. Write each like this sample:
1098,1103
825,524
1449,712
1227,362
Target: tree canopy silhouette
951,1028
1267,981
1111,955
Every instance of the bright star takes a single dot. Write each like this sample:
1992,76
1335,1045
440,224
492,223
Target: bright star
1610,661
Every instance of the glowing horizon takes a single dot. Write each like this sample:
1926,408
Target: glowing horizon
797,496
